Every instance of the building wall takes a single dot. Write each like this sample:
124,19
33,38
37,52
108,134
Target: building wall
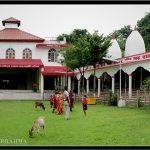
20,46
43,55
10,25
112,70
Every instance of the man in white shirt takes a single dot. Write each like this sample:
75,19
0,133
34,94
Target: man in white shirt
66,103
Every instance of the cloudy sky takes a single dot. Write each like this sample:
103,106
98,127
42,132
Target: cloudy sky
52,20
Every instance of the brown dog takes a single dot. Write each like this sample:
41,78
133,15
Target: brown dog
39,104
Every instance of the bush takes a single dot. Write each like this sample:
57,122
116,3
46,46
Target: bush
139,103
112,99
146,84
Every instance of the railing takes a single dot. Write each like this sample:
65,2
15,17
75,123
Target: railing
137,96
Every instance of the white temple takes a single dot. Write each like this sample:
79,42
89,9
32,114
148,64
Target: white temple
134,44
114,51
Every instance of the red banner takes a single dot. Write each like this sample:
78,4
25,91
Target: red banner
19,66
136,58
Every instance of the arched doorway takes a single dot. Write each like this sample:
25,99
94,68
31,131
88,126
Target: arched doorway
138,76
91,83
105,81
75,85
83,84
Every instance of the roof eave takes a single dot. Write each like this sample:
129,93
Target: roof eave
21,40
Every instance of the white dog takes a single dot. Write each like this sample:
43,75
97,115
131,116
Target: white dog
37,125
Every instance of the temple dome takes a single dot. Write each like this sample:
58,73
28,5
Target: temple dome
114,50
134,44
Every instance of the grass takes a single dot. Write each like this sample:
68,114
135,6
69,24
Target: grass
103,125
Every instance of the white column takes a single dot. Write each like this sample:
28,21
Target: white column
42,83
41,80
69,83
78,86
87,85
99,87
113,84
130,85
42,86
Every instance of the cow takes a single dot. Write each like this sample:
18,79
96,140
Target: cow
38,124
39,104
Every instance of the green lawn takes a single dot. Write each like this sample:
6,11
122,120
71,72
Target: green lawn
103,125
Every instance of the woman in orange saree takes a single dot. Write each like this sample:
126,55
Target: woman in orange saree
60,104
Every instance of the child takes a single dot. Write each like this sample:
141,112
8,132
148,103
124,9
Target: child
84,104
66,103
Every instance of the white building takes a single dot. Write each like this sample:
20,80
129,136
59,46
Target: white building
26,59
135,67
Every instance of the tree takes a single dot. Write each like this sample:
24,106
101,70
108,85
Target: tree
73,36
121,36
146,85
69,58
85,49
144,29
98,50
76,56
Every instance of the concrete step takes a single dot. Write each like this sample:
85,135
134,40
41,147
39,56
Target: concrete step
20,95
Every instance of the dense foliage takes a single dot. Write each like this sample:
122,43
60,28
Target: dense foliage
144,29
121,36
146,84
112,99
84,49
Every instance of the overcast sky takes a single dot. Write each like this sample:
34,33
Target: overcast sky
53,20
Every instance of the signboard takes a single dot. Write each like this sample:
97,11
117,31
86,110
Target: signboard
136,58
18,66
50,45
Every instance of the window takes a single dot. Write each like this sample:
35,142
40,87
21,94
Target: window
52,55
10,53
27,53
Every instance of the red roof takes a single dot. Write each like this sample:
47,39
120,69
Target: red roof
56,70
17,35
11,19
20,63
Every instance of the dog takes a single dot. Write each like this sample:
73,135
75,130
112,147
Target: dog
39,104
37,125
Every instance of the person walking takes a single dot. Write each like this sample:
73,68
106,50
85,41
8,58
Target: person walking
51,99
84,104
71,97
59,104
66,103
